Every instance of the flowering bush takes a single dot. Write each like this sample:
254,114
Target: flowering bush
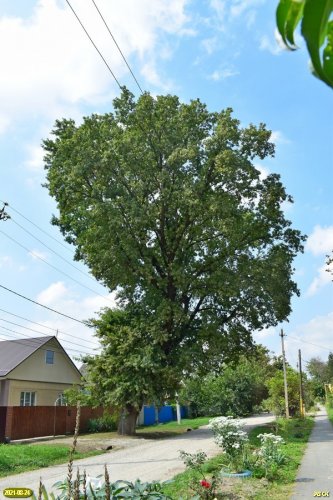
203,489
269,455
228,433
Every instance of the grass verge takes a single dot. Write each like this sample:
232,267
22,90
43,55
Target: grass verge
16,458
295,433
329,410
171,428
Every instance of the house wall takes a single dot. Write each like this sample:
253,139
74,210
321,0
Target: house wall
4,391
46,392
35,368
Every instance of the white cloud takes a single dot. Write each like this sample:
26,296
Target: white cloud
210,45
232,9
323,278
239,7
35,160
264,171
53,294
50,65
63,299
320,240
272,45
218,75
6,261
278,137
313,338
37,254
264,333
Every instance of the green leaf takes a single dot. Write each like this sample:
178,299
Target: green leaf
294,17
314,30
328,53
288,15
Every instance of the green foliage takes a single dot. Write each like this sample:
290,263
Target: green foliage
204,488
276,401
278,489
103,424
316,28
239,390
19,458
164,204
130,368
85,489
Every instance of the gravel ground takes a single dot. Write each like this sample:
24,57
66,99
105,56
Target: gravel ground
139,458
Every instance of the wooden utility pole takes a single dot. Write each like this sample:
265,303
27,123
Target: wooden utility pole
301,392
284,375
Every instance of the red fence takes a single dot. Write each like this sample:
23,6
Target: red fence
22,422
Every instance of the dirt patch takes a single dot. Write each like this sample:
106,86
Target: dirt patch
108,441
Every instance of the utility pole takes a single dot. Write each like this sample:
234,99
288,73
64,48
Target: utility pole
284,374
301,392
3,213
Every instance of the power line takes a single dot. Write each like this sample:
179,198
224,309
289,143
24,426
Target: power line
53,251
39,228
33,342
93,43
41,305
54,267
113,38
311,343
41,333
48,327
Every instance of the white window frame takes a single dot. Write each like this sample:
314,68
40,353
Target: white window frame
28,398
61,400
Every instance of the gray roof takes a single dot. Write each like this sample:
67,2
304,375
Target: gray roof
13,352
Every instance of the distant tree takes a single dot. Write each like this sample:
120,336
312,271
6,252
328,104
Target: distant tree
316,28
163,203
319,376
276,401
318,370
238,389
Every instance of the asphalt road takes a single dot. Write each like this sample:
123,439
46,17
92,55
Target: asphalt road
315,476
148,460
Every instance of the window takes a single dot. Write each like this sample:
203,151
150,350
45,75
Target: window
61,400
28,399
49,357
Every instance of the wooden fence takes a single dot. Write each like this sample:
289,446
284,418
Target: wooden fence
23,422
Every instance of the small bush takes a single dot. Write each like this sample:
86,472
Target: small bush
106,423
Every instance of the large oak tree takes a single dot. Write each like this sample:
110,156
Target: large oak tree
164,204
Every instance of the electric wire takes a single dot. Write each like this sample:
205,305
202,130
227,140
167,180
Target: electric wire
33,342
57,330
115,41
42,333
311,343
42,305
93,43
39,228
54,267
53,251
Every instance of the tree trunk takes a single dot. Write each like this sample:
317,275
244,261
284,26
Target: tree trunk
127,421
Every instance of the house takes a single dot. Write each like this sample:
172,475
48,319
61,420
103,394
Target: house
35,372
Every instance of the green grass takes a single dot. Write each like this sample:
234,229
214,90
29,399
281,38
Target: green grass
295,432
329,410
16,458
171,428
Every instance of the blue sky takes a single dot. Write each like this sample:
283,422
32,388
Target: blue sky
222,51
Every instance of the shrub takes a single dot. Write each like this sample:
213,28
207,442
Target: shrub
103,424
228,433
